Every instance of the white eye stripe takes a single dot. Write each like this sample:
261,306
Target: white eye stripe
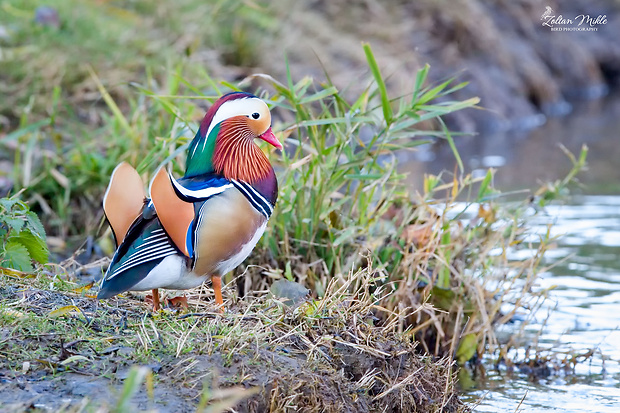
237,107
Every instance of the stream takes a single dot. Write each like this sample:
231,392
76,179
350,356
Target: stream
582,312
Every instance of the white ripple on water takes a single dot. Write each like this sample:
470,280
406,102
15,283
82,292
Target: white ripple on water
582,312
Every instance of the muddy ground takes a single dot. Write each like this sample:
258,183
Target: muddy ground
65,350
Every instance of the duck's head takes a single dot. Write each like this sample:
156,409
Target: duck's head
225,141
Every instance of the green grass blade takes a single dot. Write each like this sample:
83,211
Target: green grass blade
484,185
13,136
419,81
374,68
319,96
448,137
118,115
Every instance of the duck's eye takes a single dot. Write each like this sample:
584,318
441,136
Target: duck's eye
255,115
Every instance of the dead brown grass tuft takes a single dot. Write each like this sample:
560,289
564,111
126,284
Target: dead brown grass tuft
326,355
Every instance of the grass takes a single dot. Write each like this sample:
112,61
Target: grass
394,274
325,355
123,40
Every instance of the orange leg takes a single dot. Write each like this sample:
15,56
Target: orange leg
217,289
156,306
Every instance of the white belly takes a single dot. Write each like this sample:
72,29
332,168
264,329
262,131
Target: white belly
170,273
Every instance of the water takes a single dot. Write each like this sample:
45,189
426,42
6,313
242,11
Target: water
527,157
582,313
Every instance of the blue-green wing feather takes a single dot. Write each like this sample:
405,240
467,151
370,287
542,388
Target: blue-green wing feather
144,247
147,243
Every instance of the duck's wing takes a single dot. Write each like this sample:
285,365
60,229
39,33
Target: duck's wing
143,248
123,200
178,204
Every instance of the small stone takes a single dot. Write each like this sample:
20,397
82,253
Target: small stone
291,292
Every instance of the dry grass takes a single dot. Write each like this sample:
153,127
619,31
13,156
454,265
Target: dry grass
442,283
327,355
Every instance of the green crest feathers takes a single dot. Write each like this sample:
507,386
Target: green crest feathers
200,153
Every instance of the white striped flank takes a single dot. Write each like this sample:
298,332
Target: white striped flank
159,247
139,256
144,259
154,234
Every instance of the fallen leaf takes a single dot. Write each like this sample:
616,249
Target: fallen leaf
47,363
83,288
63,311
16,273
487,214
74,358
418,234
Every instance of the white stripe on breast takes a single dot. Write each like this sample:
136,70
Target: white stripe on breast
255,195
200,193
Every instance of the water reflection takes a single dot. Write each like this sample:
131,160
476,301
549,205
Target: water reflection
583,309
524,158
582,313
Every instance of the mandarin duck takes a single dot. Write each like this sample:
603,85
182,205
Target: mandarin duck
204,224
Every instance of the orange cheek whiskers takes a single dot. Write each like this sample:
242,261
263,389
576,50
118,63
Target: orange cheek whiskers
236,156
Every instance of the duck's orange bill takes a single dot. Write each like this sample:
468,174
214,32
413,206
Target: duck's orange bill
270,138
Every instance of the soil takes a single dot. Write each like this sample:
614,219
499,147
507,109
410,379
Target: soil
320,369
521,70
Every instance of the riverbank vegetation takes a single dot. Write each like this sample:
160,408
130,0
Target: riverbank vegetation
402,282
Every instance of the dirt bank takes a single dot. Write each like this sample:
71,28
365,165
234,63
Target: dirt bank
519,68
63,349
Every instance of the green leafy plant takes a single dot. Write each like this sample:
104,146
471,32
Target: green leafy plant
339,178
22,235
342,199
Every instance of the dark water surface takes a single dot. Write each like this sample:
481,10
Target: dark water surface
524,158
583,310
